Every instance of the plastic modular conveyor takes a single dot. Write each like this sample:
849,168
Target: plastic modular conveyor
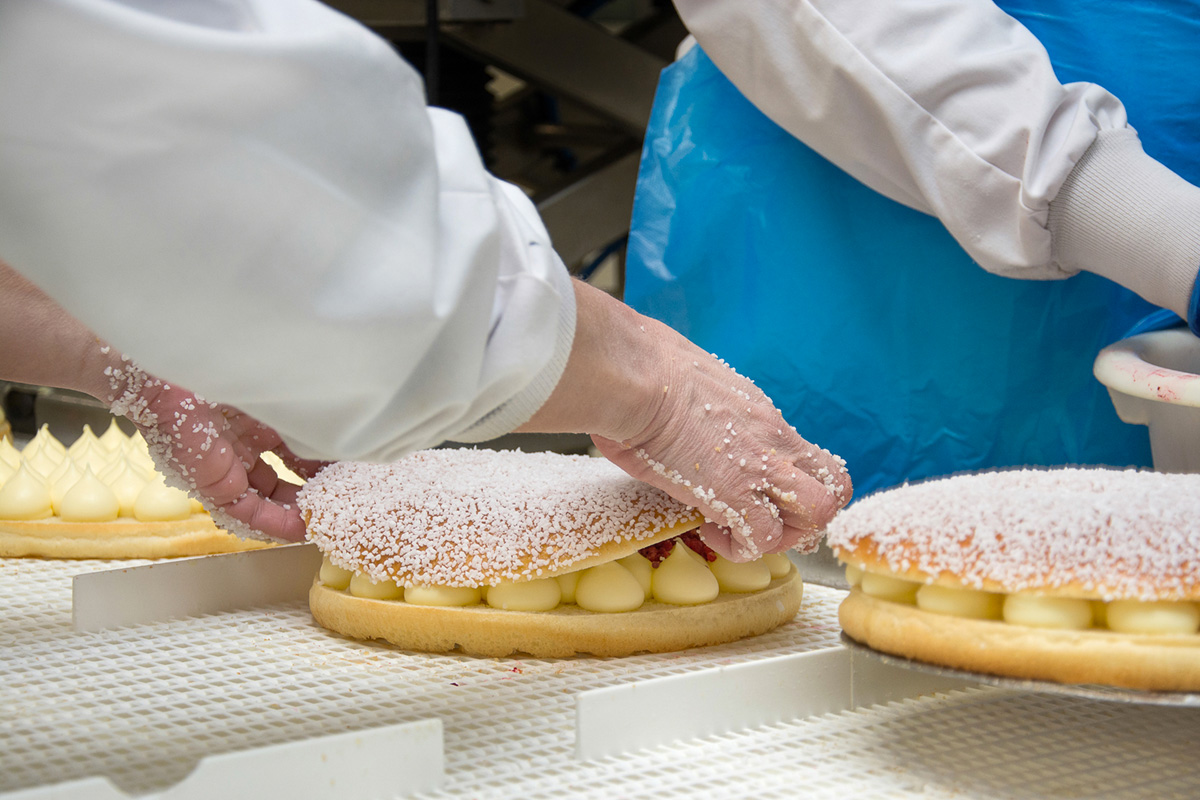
260,701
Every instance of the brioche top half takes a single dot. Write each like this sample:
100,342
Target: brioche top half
464,517
1101,533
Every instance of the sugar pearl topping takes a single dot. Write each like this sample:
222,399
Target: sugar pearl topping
1113,533
461,517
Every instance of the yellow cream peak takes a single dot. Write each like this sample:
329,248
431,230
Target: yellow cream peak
9,454
113,439
608,588
61,482
85,440
136,449
158,502
137,443
44,438
683,578
92,454
126,481
7,471
25,496
42,458
89,500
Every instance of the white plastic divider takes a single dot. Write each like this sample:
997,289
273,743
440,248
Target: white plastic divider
390,761
645,714
192,586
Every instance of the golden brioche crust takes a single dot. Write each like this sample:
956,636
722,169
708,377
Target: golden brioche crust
1069,532
121,538
566,631
481,517
1134,661
368,561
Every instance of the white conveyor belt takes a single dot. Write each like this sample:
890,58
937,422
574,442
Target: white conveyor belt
263,695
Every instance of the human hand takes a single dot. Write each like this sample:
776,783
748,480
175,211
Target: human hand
678,418
212,451
717,443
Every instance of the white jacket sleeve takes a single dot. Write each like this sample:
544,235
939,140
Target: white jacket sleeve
250,197
952,107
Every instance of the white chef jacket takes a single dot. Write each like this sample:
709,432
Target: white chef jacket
952,107
251,198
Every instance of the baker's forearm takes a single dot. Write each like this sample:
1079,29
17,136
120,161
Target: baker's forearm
42,344
608,386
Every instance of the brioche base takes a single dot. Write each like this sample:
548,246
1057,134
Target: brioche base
122,538
1133,661
565,631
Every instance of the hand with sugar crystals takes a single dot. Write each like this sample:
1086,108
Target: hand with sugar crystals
213,450
678,418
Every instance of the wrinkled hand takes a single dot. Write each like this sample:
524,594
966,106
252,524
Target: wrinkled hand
678,418
719,444
212,451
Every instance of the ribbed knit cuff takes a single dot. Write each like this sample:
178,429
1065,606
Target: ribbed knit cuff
1193,315
1125,216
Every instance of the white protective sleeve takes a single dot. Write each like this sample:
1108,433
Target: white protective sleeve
952,107
251,198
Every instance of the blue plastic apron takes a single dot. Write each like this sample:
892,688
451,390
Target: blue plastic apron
872,330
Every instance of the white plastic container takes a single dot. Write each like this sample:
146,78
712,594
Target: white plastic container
1153,380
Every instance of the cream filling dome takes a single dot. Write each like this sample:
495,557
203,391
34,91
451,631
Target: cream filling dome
97,479
684,577
1029,609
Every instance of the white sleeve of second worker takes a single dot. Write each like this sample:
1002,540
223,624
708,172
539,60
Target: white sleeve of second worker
251,198
948,106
